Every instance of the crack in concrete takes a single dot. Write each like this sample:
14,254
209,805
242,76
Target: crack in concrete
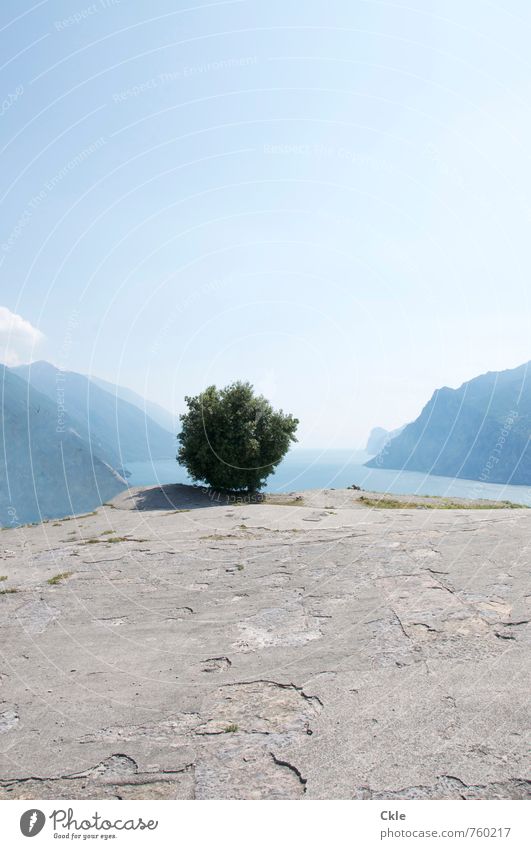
288,686
450,786
280,762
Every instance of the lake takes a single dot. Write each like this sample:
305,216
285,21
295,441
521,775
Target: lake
311,469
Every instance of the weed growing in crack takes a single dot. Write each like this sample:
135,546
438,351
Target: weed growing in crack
57,579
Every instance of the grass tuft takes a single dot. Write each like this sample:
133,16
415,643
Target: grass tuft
395,504
61,576
285,500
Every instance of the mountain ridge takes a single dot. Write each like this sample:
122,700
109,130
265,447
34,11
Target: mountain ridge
47,469
379,437
118,431
479,431
157,413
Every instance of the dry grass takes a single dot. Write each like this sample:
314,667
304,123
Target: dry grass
219,536
72,518
57,579
285,500
442,504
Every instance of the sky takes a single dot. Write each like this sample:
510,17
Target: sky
331,200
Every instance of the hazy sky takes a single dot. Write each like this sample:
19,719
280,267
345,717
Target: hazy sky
329,199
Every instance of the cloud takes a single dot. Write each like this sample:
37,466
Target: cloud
18,338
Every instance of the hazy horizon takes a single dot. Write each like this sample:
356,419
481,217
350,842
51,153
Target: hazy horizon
329,201
296,446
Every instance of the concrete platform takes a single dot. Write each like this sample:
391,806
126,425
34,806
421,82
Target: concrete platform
173,645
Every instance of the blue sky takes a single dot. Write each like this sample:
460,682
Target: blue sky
329,199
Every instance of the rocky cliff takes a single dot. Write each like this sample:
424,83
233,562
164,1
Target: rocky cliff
480,431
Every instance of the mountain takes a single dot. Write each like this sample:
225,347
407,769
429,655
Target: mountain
118,431
480,431
379,437
47,469
159,415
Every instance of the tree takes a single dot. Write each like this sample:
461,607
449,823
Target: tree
233,439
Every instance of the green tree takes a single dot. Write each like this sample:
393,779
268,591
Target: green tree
233,439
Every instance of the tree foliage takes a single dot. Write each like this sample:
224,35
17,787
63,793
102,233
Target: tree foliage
233,439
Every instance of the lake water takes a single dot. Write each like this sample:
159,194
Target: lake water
308,469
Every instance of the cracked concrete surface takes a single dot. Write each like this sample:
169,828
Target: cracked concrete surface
308,648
